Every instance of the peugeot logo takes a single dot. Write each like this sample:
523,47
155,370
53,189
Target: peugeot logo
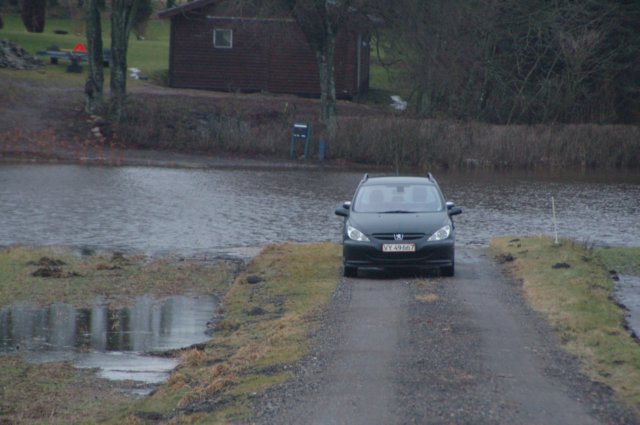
398,236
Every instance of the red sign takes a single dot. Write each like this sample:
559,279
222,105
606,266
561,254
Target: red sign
79,48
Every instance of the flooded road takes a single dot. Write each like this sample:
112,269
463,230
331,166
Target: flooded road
195,212
225,212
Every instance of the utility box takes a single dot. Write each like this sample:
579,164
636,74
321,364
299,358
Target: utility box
301,132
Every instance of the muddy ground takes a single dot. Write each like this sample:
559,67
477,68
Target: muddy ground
462,350
46,119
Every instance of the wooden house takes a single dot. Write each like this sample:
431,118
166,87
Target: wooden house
217,48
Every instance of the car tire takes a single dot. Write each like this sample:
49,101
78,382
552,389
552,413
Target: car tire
350,271
448,271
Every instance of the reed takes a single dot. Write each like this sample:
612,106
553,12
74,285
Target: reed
380,139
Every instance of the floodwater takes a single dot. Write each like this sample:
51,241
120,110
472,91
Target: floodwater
117,341
232,213
628,294
204,212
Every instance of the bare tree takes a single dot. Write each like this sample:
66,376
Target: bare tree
320,22
94,86
122,18
520,61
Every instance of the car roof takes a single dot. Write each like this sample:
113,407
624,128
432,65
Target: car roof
398,180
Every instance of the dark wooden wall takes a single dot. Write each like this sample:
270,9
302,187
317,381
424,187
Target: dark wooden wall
267,55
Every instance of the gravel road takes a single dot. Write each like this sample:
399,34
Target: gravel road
462,350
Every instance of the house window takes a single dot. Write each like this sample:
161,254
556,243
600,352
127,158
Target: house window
222,38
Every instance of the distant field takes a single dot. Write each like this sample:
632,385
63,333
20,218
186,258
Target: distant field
150,55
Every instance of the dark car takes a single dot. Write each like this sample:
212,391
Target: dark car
398,222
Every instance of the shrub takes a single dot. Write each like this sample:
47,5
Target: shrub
198,125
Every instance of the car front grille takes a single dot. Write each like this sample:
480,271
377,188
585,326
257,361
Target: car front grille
405,236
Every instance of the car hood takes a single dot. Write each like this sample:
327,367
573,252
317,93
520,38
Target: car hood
427,223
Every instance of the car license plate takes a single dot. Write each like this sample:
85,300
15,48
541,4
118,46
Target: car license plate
399,247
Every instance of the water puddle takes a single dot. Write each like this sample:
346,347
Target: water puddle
119,342
628,294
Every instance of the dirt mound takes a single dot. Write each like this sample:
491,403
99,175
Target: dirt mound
14,56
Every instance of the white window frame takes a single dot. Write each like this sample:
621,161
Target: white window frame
217,44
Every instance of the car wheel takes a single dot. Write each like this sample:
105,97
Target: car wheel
448,271
350,271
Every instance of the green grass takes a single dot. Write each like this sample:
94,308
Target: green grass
621,260
54,393
85,277
576,298
150,55
386,75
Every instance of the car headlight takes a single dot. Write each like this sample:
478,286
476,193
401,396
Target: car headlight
356,235
441,233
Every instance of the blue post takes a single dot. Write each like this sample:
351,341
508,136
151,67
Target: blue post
322,147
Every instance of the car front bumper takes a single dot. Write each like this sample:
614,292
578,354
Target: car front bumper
428,254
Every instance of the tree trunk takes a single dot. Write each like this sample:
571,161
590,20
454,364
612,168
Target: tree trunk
320,21
94,86
324,57
122,15
33,15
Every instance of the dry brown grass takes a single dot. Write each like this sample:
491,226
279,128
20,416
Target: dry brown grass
54,394
253,348
427,298
436,144
193,358
379,138
260,124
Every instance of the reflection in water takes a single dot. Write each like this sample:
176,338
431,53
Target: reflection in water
117,341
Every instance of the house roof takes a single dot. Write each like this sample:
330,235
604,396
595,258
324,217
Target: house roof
368,21
186,7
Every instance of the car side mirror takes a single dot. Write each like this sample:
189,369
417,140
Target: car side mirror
452,209
344,210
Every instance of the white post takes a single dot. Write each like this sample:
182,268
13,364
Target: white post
555,222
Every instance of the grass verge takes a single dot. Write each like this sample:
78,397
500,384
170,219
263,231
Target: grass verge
58,393
46,275
54,394
571,286
269,313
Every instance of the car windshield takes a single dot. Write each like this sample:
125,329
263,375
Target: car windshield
398,198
